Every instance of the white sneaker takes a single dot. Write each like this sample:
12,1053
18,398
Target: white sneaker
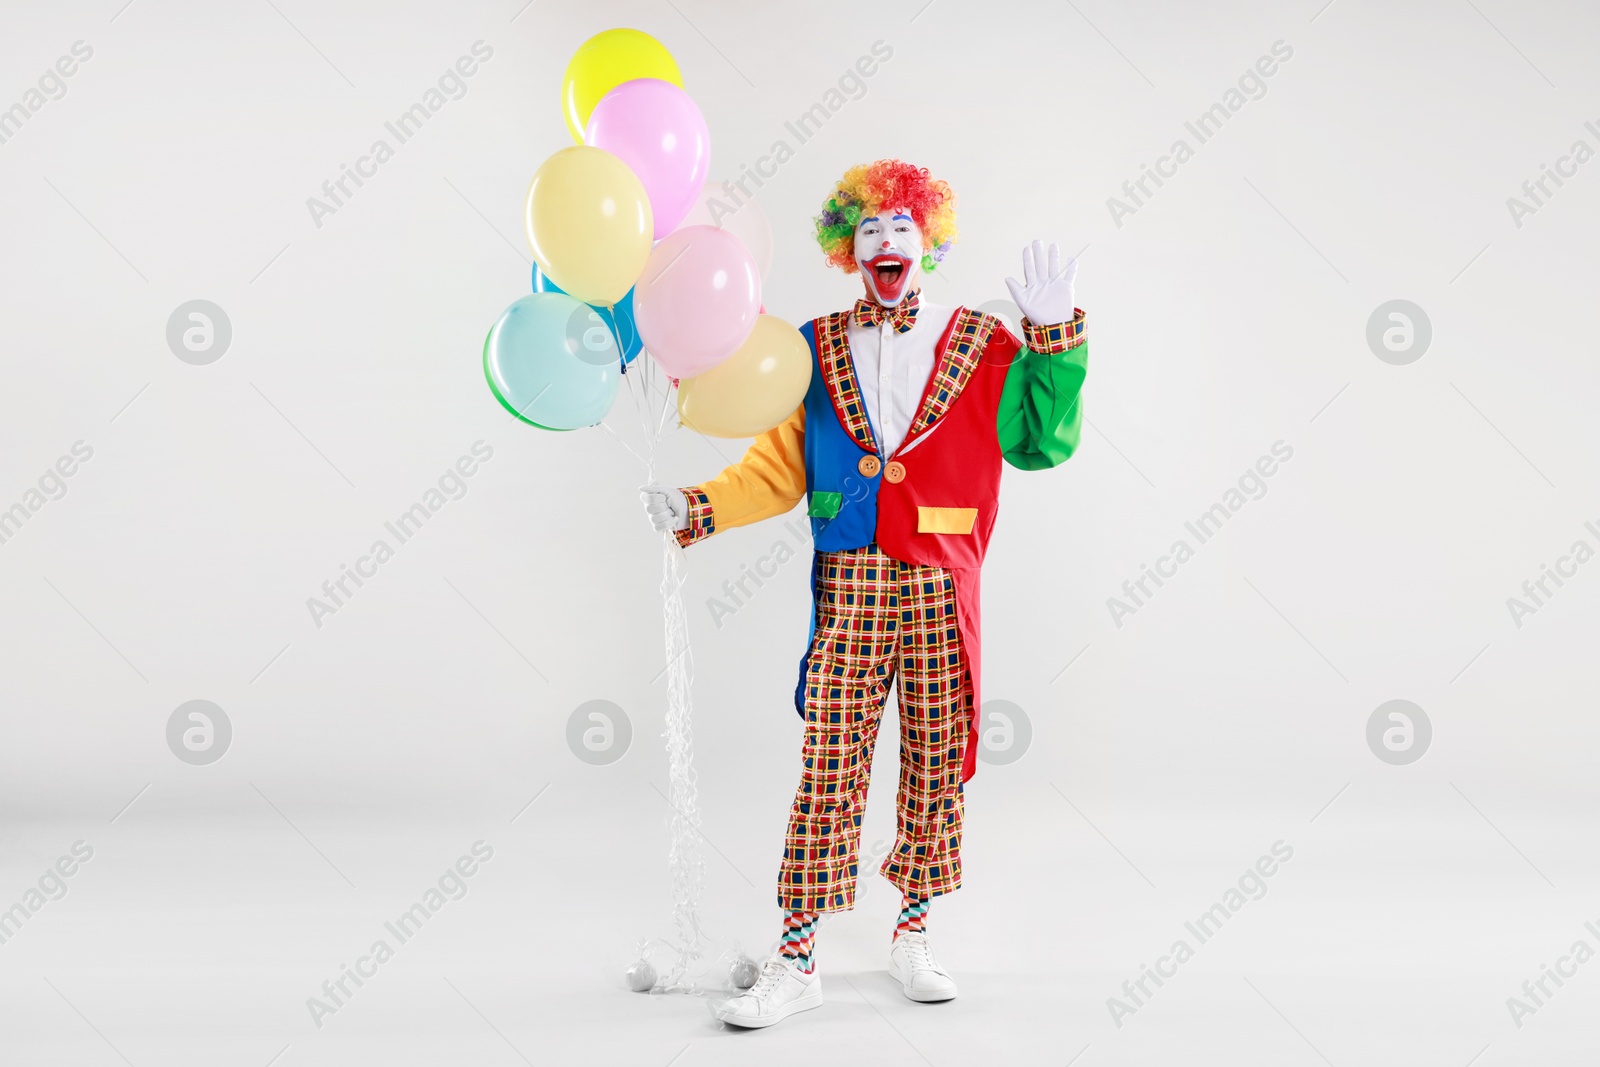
911,961
781,990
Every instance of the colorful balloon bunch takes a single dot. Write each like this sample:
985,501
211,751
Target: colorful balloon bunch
628,259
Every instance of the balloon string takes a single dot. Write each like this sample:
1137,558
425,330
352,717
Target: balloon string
618,437
685,863
666,405
628,383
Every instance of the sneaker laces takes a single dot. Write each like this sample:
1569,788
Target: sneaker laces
919,951
772,973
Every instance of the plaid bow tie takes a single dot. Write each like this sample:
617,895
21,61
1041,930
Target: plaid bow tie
901,316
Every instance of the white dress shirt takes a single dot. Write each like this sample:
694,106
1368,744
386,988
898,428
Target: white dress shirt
893,369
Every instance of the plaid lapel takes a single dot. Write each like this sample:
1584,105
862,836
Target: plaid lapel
969,334
839,375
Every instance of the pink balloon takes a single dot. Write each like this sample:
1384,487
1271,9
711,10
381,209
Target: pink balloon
655,128
697,299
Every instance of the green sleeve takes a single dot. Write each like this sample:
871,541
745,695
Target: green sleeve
1040,410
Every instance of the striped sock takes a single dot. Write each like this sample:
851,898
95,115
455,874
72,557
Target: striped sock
913,917
799,934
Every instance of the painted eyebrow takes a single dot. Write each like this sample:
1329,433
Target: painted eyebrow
898,217
872,218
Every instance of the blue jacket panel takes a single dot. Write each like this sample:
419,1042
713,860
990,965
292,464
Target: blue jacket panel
831,457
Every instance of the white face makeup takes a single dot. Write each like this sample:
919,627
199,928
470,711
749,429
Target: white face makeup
889,253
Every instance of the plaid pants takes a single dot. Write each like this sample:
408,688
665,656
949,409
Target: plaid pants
876,617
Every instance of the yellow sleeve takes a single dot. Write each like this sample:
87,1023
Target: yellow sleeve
768,481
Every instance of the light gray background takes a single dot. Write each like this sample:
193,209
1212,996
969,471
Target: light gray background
1167,754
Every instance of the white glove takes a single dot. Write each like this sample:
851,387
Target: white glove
667,508
1046,298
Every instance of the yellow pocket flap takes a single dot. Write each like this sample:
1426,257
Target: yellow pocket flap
946,520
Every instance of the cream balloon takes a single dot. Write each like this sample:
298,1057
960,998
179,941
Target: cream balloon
589,224
752,390
739,215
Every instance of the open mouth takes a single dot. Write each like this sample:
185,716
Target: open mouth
890,272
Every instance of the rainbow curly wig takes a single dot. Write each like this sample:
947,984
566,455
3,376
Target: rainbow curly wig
867,189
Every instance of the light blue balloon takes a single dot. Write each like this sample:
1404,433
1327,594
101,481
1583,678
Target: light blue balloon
551,362
619,318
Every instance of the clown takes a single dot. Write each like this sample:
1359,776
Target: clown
897,448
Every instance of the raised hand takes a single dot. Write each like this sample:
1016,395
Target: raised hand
1045,296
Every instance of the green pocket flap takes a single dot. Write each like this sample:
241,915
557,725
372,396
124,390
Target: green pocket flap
825,505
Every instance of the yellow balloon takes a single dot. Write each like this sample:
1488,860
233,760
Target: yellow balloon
752,390
604,62
589,224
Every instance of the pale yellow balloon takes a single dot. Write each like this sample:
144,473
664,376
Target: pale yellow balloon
752,390
589,224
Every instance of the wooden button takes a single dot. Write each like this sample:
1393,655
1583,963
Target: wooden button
895,471
868,466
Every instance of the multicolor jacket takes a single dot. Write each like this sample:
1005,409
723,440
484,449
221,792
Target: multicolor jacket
934,501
